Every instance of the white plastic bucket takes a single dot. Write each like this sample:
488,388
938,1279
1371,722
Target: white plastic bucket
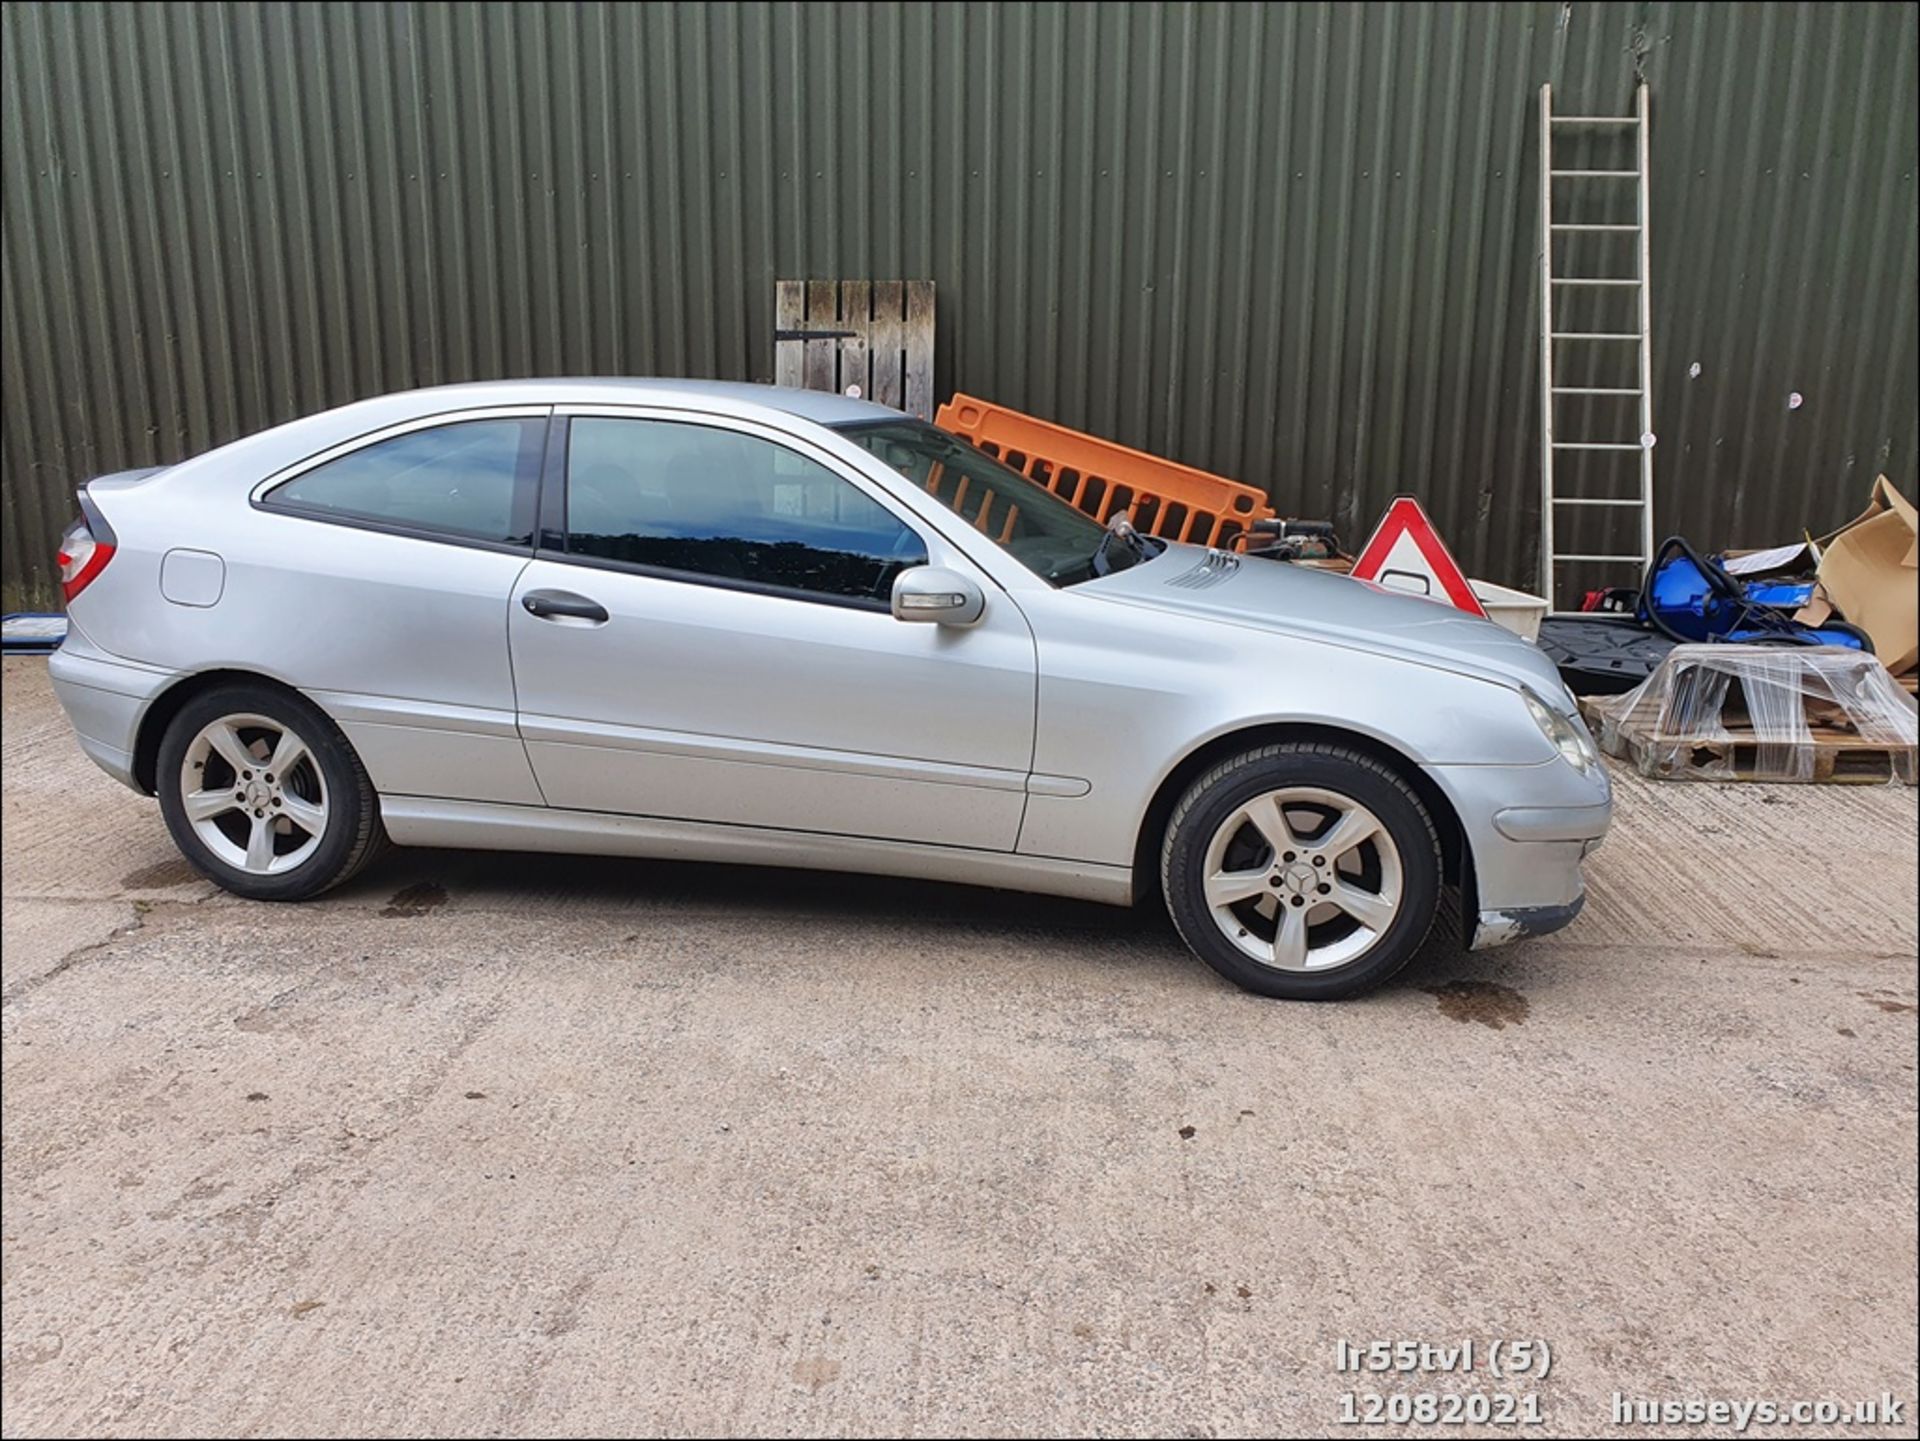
1515,609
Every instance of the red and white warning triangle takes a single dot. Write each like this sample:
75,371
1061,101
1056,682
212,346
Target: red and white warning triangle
1405,554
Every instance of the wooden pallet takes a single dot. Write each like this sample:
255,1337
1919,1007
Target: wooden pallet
1839,756
871,338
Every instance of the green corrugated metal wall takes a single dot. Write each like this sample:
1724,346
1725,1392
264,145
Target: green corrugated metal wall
1293,243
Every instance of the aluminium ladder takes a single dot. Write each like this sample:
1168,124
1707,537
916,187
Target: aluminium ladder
1639,337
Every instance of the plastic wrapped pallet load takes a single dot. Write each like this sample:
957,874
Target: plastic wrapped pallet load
1763,713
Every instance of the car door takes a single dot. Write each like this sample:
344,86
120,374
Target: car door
705,634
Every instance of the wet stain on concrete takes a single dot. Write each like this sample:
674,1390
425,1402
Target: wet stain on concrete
1491,1004
815,1372
174,871
566,1314
43,1348
415,900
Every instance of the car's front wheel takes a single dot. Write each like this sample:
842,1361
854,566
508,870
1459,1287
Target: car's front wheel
263,794
1302,870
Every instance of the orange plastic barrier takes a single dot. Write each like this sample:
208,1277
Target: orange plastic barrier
1172,501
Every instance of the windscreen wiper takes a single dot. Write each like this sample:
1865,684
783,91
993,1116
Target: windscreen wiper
1121,528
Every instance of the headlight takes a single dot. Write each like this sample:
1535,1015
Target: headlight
1563,732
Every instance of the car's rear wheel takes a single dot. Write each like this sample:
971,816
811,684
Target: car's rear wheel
1303,870
263,794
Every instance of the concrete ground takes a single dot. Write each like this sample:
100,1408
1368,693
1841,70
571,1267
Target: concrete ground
515,1144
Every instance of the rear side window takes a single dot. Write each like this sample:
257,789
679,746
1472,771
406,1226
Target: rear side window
470,480
708,502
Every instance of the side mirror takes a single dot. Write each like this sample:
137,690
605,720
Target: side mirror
934,593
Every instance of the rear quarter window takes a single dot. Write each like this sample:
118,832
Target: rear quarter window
467,480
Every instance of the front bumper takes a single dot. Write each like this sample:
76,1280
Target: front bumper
1497,928
1527,830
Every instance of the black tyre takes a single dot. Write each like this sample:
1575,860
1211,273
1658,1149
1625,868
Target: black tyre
264,796
1304,870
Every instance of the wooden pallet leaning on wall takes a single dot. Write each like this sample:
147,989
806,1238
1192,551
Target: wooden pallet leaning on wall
874,334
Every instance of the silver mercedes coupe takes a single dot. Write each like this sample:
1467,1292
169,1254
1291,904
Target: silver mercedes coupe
740,624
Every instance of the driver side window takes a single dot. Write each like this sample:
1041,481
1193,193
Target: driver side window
700,501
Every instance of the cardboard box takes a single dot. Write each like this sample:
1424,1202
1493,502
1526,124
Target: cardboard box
1870,573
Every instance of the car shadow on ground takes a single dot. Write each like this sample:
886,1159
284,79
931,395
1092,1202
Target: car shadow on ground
413,883
423,879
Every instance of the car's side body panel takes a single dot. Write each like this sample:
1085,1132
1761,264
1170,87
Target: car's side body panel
401,639
1126,693
701,699
1136,676
412,746
698,701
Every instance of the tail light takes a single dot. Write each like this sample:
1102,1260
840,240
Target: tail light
84,550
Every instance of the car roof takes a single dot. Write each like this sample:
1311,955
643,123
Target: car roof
823,407
269,451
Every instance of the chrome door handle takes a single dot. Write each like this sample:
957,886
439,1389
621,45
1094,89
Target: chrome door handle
551,604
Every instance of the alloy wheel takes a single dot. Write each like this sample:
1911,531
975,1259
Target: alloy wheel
1303,879
253,793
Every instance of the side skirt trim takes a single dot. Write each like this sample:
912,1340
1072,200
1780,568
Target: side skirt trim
481,825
